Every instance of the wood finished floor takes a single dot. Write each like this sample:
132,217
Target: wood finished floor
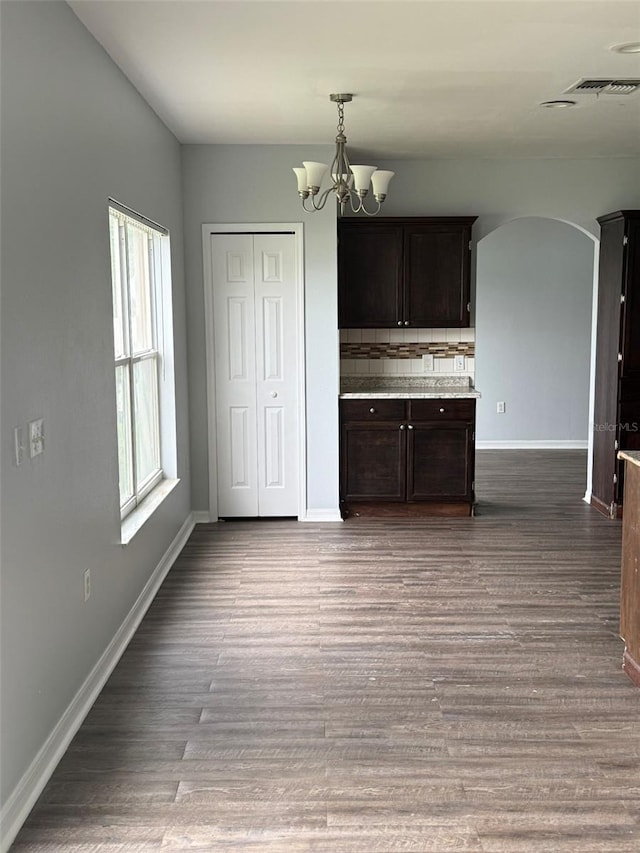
428,685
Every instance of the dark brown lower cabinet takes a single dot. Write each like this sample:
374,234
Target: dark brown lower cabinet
407,452
439,462
630,579
375,465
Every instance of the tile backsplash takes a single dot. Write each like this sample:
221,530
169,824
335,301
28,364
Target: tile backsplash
400,351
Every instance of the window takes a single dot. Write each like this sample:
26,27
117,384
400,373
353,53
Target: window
139,273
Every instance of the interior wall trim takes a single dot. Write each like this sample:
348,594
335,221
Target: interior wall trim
202,516
321,515
17,807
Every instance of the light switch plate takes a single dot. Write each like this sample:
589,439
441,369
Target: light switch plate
427,362
36,437
18,445
458,362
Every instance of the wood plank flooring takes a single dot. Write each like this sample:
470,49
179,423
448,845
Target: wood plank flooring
424,685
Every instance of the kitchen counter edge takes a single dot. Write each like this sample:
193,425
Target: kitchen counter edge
632,456
436,393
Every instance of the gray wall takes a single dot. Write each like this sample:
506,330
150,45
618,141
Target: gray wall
74,132
244,183
533,331
498,191
255,183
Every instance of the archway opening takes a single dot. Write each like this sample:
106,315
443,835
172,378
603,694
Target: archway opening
535,289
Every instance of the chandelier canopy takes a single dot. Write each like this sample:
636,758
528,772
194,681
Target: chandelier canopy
350,184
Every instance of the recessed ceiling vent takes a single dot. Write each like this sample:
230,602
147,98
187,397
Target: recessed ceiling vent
588,86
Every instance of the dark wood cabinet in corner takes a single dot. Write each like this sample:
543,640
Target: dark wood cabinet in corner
630,577
617,386
404,271
407,457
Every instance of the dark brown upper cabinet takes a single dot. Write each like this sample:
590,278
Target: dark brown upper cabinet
617,381
404,272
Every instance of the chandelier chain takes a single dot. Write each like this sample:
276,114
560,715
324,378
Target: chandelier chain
340,118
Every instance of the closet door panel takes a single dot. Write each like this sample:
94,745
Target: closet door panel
235,371
276,373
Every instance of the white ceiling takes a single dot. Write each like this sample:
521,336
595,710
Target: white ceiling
432,78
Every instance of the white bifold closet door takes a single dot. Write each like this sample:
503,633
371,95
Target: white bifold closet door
256,369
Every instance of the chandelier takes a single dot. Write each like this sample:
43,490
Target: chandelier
350,184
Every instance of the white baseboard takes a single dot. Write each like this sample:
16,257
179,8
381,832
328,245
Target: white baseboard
321,515
201,516
551,444
17,807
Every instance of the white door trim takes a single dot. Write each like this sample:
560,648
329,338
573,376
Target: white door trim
297,229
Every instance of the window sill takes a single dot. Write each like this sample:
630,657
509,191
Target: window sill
137,518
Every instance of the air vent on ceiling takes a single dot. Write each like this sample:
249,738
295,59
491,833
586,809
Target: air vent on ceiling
588,86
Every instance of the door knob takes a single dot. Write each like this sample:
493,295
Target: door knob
274,393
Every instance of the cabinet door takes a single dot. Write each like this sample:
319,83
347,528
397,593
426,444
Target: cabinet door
369,276
440,461
605,467
436,276
373,464
630,367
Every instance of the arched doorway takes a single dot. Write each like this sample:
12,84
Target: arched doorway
535,291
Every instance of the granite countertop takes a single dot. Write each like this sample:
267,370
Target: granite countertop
401,387
632,456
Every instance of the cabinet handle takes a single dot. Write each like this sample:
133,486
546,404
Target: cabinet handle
399,322
372,410
401,426
441,410
410,426
274,393
406,322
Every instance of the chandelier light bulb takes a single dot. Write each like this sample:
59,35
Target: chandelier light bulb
362,177
380,183
301,174
315,175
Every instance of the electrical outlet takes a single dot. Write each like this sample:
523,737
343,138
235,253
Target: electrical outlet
500,408
427,362
87,584
459,362
36,437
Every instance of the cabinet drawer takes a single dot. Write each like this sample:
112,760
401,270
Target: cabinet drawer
427,410
372,410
